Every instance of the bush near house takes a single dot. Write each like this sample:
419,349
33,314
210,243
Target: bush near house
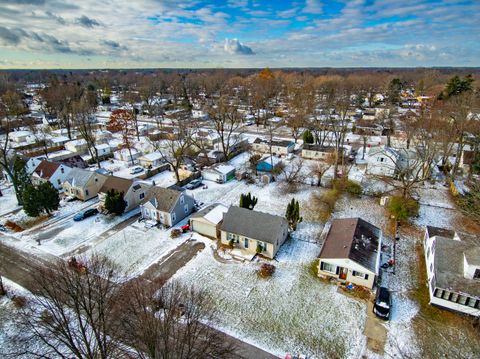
175,233
403,208
266,270
114,202
353,188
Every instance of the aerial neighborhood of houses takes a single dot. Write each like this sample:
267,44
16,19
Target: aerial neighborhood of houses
349,215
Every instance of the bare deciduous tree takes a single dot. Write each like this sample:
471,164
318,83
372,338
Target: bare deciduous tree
170,321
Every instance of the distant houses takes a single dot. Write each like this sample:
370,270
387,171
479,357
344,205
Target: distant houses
351,252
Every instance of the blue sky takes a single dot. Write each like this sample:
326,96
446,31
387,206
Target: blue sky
238,33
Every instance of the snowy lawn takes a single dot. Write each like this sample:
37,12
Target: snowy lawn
136,247
291,312
8,200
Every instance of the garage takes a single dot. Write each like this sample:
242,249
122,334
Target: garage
207,221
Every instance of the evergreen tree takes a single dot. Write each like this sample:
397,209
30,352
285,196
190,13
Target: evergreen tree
248,201
31,201
49,197
37,200
21,177
114,202
308,137
293,214
457,85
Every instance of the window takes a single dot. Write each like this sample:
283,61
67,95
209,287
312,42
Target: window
476,275
142,195
245,242
185,208
366,276
174,217
182,199
327,267
86,192
58,181
62,170
454,297
438,293
462,299
446,295
472,302
358,274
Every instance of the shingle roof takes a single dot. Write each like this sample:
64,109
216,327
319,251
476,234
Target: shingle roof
355,239
213,213
46,169
78,177
163,199
117,183
252,224
449,264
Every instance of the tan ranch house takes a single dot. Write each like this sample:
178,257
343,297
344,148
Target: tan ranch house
254,232
351,252
83,184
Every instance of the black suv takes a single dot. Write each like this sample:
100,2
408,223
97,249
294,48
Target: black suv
383,303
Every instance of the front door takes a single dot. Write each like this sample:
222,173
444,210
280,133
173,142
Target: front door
343,273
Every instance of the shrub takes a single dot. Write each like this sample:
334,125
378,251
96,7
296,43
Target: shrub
231,243
13,226
329,198
259,248
266,270
19,301
175,233
313,267
353,188
345,185
403,208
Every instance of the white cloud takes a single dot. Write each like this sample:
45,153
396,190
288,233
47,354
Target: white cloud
235,47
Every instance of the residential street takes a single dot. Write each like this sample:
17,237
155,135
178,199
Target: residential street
18,266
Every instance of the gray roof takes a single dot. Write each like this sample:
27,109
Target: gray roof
279,143
163,199
252,224
449,264
78,177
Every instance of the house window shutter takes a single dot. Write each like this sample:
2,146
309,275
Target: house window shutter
321,265
337,271
366,276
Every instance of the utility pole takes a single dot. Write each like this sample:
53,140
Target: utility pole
397,237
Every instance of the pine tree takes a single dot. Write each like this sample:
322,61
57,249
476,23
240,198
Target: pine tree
308,137
114,202
248,201
31,201
293,214
20,177
49,197
37,200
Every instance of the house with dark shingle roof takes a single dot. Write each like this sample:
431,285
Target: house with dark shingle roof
134,192
53,172
166,206
453,269
253,231
351,252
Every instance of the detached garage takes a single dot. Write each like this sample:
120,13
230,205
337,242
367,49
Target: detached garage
220,173
207,221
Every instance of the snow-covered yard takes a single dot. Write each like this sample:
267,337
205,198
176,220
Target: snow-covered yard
136,247
8,200
291,312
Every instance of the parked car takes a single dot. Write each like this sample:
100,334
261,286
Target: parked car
383,303
136,170
83,215
194,184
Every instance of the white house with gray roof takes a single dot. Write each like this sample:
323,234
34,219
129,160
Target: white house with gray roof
453,270
166,206
382,161
253,232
